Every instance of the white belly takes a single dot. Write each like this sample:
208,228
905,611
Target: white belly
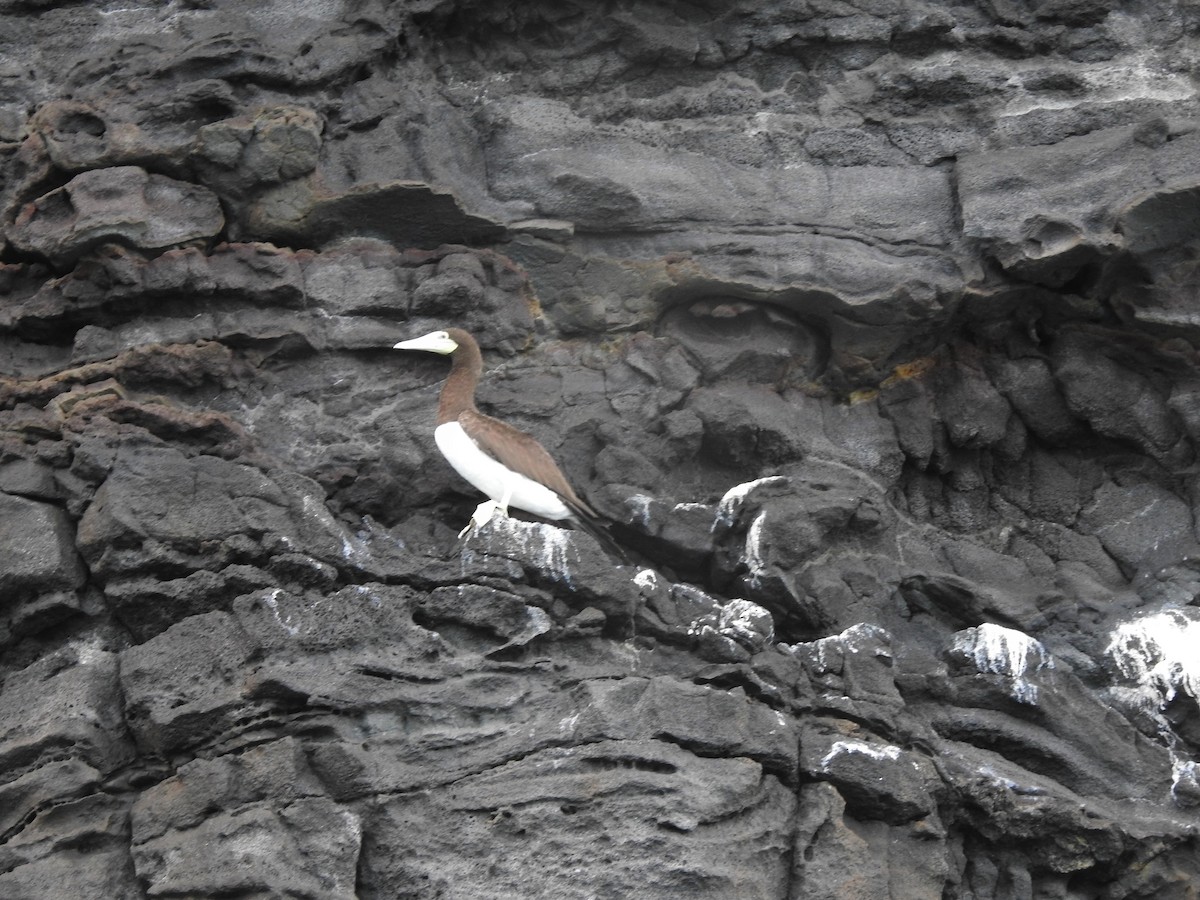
496,480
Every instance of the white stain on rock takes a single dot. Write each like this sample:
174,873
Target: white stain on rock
646,579
728,512
828,654
1161,652
271,600
1109,83
1185,785
753,555
861,747
556,546
746,623
640,504
997,650
731,503
319,512
90,652
547,546
1016,787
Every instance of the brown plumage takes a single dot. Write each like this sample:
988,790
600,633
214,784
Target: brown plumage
514,448
505,463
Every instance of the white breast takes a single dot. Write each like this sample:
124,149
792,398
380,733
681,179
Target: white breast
494,479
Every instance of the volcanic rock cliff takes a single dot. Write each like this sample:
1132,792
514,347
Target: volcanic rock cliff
872,326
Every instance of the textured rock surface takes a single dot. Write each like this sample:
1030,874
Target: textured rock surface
872,327
119,203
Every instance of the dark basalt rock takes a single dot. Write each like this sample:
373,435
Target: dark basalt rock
273,146
40,572
1014,200
406,214
873,331
122,204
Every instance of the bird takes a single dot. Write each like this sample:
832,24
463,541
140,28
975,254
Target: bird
505,463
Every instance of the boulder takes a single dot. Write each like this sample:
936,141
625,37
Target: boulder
122,204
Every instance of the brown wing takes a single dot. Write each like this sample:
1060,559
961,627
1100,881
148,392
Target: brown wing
522,453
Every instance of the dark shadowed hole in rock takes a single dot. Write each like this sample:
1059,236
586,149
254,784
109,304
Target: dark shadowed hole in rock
1084,280
640,765
56,205
473,637
81,123
954,605
731,338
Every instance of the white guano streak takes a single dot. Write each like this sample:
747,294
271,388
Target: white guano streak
1160,651
861,747
646,579
734,497
1008,652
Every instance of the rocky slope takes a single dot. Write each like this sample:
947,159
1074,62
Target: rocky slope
872,326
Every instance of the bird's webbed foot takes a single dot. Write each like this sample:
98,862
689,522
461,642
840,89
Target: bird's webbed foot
484,512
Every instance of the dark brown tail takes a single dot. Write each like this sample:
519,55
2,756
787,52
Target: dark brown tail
587,520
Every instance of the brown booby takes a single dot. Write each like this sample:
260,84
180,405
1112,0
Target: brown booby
505,463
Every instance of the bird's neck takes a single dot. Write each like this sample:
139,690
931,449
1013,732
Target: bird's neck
458,393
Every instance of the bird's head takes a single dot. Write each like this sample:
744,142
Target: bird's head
434,342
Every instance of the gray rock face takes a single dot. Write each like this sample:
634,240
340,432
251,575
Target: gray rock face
872,329
40,571
122,204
